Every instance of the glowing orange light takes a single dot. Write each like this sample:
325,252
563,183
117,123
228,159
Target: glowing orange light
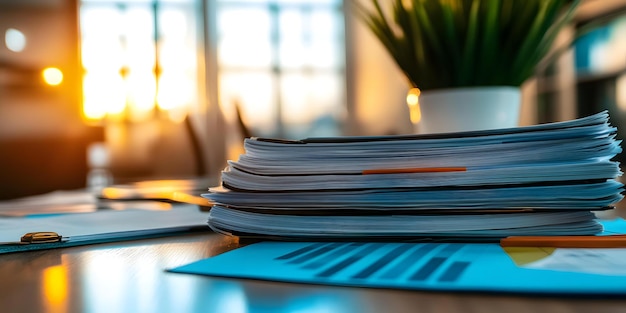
412,99
104,95
55,285
173,96
52,76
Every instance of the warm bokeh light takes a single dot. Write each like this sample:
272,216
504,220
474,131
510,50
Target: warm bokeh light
412,99
141,90
103,95
52,76
173,95
55,285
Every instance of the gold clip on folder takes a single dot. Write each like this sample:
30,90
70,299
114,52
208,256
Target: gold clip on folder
35,238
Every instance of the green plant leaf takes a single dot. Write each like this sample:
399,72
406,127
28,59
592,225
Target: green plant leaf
490,42
469,50
452,42
457,43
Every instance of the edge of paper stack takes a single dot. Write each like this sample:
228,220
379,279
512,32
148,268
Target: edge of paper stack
545,179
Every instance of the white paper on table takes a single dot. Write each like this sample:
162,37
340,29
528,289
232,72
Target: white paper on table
610,261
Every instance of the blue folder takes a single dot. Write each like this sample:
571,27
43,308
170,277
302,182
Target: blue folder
482,267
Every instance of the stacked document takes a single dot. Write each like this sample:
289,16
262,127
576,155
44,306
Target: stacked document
543,179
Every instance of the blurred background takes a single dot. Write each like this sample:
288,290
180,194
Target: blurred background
168,89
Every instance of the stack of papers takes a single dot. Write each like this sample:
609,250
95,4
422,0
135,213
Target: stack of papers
536,180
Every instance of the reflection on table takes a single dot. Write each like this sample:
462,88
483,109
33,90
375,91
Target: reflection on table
131,277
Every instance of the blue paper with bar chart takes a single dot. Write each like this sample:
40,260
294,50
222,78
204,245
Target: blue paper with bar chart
482,267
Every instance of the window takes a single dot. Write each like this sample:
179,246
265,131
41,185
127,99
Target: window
282,64
139,58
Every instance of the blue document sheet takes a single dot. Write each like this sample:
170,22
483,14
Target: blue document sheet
483,267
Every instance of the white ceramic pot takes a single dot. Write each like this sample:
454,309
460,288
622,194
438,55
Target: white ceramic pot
467,109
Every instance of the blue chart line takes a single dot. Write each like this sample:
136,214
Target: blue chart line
454,271
390,256
348,261
337,257
432,265
414,257
427,269
315,253
298,252
334,255
450,249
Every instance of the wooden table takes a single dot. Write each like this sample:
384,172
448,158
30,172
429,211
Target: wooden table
130,277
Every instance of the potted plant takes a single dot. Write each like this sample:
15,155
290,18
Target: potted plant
466,59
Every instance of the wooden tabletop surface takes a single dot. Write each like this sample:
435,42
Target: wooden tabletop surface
131,277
